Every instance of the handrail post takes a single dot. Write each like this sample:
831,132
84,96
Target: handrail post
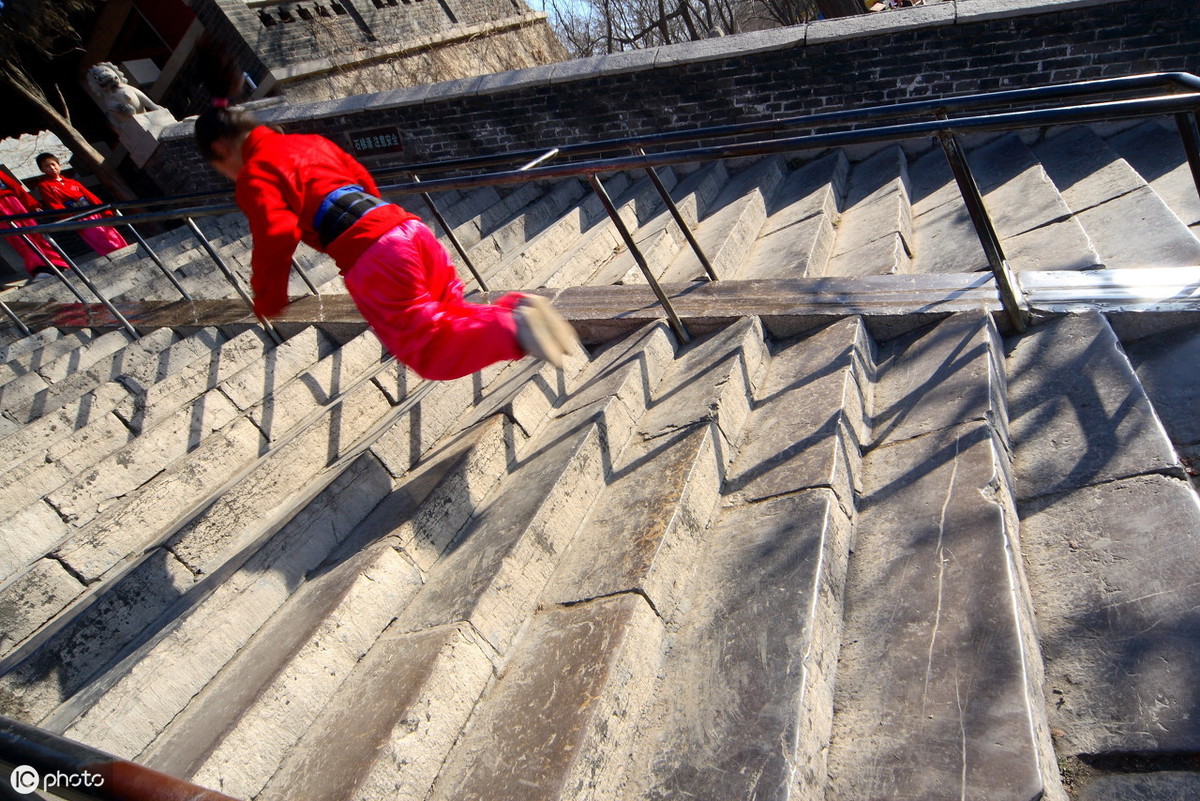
51,266
87,282
1189,132
676,324
155,258
12,315
437,215
231,278
304,277
1011,295
665,194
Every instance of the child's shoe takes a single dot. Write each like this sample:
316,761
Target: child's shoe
541,331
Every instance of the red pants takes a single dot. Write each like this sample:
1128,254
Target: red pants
32,258
411,296
103,240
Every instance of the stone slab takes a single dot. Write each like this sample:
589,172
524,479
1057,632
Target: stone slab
31,361
809,419
940,378
1156,153
556,725
45,590
29,534
1078,414
933,694
747,697
648,524
1165,364
497,568
1162,786
255,382
425,685
1113,573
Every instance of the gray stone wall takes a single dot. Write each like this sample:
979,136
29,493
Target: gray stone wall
939,49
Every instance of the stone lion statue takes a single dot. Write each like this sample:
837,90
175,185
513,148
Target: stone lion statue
119,100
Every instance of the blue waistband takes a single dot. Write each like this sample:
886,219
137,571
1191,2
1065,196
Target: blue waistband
330,199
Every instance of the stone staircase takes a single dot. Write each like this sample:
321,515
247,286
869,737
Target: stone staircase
852,561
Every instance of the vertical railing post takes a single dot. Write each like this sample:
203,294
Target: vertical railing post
231,278
12,315
304,277
1189,132
665,194
1011,295
676,324
87,282
437,215
155,258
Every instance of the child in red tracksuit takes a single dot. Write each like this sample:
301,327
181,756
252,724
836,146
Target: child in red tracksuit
297,187
60,192
15,199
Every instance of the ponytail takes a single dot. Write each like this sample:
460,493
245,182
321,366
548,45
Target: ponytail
221,122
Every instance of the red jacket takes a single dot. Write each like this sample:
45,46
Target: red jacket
11,186
58,193
282,183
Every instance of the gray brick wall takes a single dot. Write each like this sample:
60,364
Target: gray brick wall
939,49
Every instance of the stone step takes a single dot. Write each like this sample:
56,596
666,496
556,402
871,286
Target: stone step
875,233
38,350
227,602
1109,525
797,237
530,258
937,693
17,395
660,239
493,249
731,224
602,242
24,344
756,677
95,557
1154,150
1165,366
1127,221
433,662
237,732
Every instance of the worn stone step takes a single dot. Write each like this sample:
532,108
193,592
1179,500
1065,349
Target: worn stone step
744,704
797,237
660,239
1165,366
1154,150
1069,377
18,395
670,471
731,224
875,235
531,258
935,598
438,655
602,242
496,247
1127,221
129,526
237,732
22,344
32,357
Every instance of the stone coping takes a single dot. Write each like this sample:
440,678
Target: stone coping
935,14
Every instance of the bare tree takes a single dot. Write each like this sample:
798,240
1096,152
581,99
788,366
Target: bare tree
33,33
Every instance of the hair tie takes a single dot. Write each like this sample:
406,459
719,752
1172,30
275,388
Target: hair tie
220,102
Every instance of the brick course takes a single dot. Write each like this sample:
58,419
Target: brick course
966,46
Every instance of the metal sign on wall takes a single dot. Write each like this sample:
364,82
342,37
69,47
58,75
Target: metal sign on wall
376,141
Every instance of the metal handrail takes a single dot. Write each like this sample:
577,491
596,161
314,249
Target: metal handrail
36,759
1183,106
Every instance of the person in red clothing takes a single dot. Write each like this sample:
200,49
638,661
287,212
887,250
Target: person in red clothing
303,188
15,199
60,192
